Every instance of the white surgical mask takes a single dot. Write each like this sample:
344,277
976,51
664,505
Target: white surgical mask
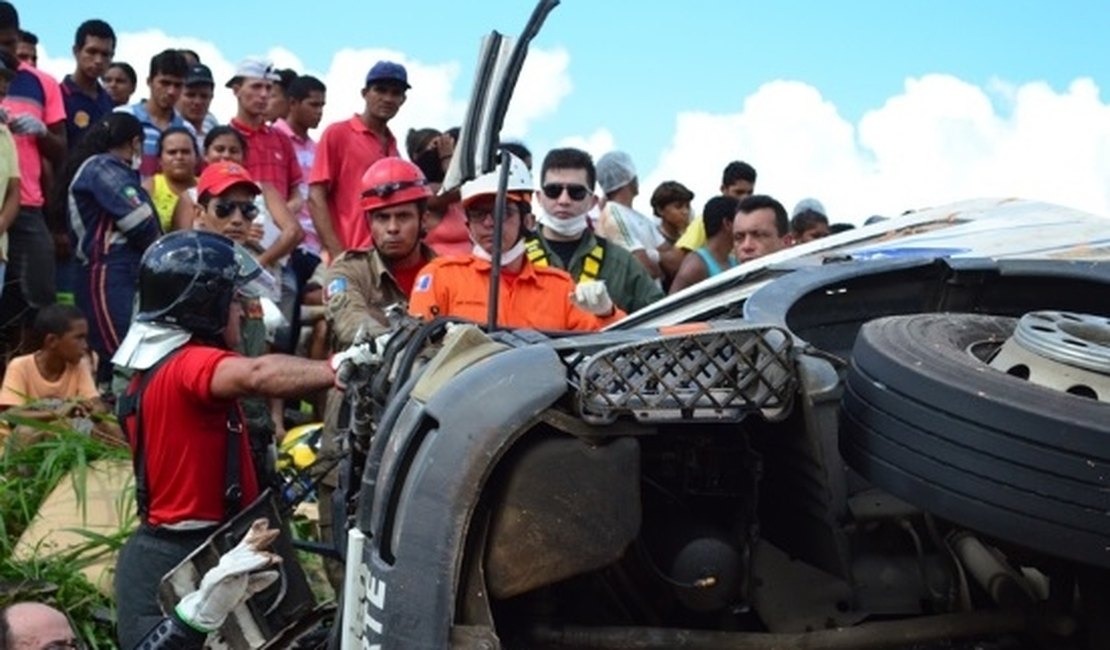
569,227
507,256
136,160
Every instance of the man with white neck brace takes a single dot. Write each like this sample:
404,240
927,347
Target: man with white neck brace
542,298
565,240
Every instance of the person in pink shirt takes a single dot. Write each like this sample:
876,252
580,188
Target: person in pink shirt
346,150
306,96
36,116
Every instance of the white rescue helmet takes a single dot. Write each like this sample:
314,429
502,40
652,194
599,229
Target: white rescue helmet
519,188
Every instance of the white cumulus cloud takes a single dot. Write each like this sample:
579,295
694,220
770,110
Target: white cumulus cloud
596,144
437,99
941,139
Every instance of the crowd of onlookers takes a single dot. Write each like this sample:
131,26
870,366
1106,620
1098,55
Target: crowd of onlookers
83,166
345,221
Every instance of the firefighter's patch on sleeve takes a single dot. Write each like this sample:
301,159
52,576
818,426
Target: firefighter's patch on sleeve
131,196
335,287
423,283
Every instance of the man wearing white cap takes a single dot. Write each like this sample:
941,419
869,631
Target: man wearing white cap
270,155
619,222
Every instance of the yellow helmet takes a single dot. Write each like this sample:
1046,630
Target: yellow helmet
299,447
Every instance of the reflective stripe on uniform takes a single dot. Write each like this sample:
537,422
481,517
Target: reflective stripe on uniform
134,218
591,265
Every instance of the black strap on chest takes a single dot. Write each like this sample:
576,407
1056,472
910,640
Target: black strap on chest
131,404
591,264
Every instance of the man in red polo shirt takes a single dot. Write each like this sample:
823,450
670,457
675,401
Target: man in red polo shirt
270,155
346,150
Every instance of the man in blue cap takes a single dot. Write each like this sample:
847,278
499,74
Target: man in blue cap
346,150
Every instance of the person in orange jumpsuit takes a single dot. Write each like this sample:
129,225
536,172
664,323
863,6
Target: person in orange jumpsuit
543,298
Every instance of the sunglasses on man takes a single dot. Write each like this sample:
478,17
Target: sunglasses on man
225,209
574,190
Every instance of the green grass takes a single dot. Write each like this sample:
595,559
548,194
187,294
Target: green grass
27,476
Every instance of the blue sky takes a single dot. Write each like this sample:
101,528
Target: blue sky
631,69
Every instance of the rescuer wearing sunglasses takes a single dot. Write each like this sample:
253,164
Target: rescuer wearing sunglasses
564,239
542,298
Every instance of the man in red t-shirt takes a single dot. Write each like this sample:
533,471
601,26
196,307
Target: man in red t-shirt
192,459
270,156
346,150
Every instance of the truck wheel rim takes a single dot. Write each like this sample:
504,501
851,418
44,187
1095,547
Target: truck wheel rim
1061,350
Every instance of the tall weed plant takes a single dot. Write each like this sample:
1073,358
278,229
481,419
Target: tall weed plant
28,474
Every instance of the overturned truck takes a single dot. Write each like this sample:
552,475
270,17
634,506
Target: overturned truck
894,437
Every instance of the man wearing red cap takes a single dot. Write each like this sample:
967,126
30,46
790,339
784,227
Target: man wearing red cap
226,205
225,201
362,282
346,150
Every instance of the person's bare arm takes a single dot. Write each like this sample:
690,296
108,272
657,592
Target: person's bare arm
42,415
52,144
670,259
277,415
291,231
10,208
184,212
270,375
644,259
690,273
438,205
321,219
296,201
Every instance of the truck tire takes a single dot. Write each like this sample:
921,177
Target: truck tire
929,421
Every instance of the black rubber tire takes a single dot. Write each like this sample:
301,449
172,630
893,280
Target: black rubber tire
927,421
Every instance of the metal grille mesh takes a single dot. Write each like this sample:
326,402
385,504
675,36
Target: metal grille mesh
719,374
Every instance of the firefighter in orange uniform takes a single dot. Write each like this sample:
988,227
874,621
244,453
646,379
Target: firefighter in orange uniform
540,298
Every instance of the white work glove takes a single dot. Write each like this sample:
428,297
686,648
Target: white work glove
231,582
27,124
593,297
347,363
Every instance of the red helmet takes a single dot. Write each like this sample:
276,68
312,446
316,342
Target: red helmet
392,181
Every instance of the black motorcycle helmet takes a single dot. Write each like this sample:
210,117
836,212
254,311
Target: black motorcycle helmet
188,279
